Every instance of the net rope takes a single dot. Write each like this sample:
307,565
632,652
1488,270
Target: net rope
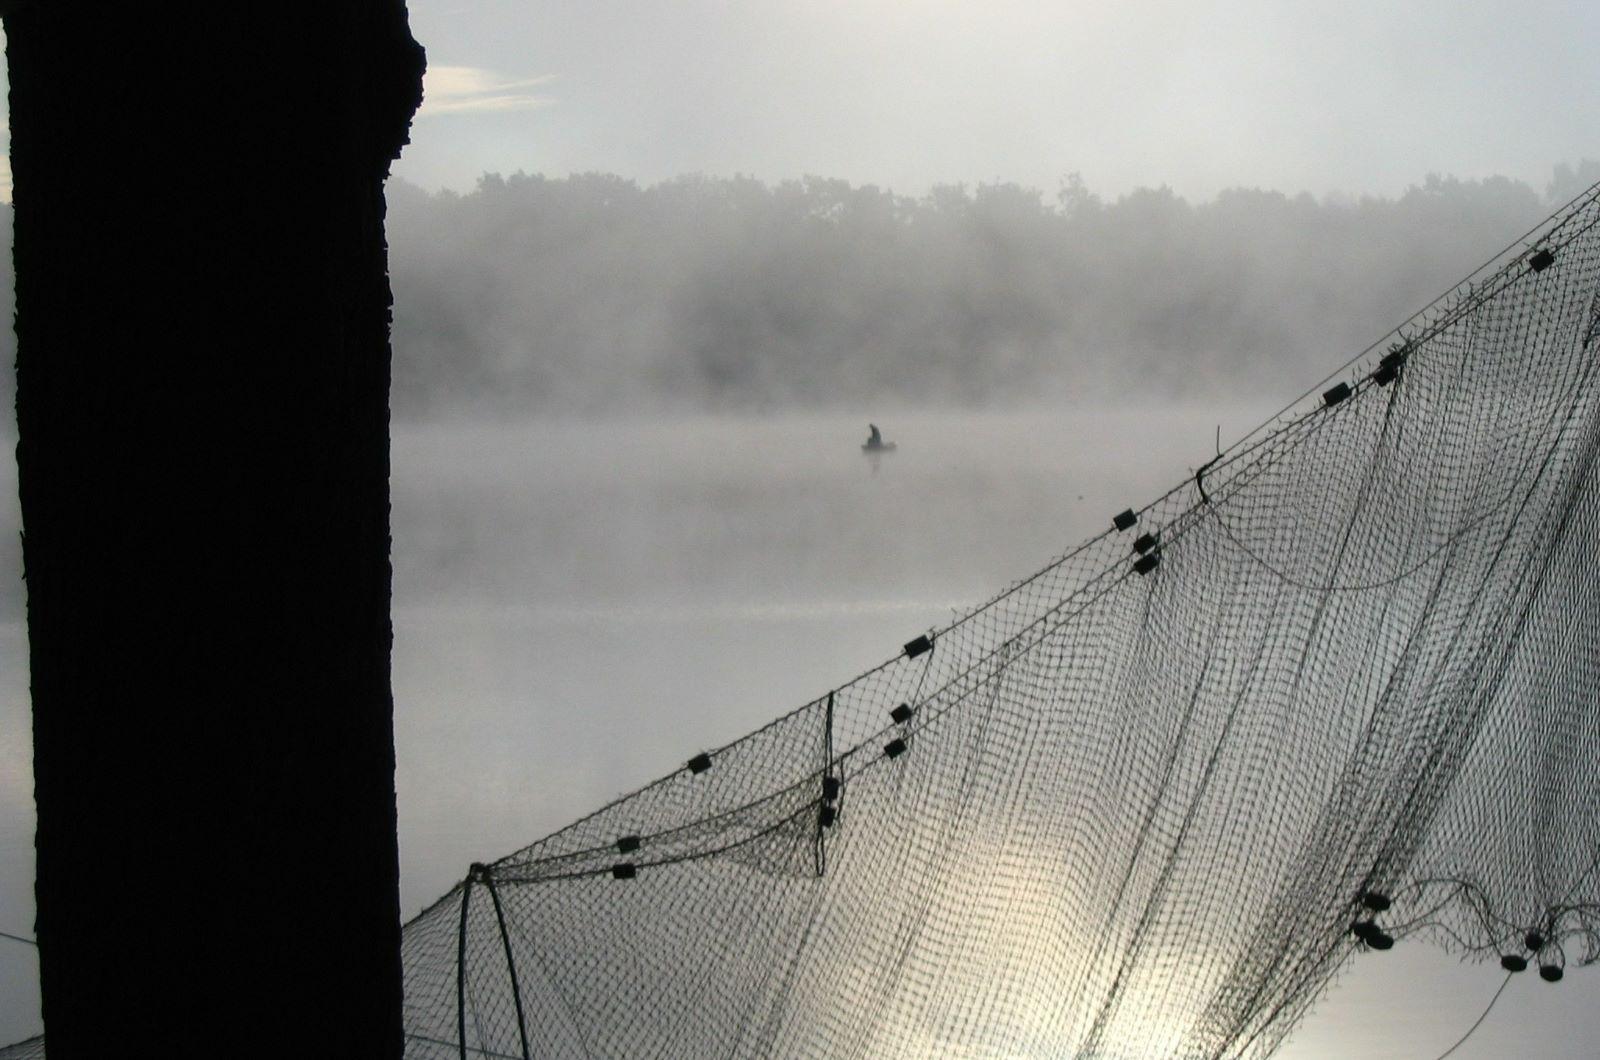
1338,690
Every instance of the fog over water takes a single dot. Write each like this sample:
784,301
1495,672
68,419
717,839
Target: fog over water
632,518
593,293
582,605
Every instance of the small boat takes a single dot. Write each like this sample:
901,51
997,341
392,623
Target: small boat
875,442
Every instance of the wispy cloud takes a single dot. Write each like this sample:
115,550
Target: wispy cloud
472,89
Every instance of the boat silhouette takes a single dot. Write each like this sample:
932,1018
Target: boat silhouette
875,442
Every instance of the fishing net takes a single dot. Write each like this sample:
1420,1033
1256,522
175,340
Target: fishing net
1337,690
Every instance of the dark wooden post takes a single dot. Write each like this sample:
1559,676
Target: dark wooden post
202,403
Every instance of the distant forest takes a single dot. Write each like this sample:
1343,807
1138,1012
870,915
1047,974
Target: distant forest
591,293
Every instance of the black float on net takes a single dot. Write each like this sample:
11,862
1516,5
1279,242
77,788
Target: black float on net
1371,934
1389,367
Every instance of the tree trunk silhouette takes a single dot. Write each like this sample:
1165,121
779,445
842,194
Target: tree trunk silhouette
202,404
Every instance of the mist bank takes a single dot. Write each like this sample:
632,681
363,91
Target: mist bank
593,294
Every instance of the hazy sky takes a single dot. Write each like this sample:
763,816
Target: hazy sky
1355,96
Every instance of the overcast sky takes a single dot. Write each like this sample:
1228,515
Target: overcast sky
1354,96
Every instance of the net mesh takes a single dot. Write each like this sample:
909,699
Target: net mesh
1338,690
1145,801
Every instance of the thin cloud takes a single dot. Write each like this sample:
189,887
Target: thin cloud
474,90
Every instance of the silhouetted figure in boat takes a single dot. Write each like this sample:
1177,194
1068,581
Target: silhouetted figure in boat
875,442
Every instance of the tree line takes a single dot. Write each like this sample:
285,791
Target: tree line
594,294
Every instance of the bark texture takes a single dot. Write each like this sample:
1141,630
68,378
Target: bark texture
202,404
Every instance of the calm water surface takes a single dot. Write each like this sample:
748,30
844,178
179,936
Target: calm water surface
579,607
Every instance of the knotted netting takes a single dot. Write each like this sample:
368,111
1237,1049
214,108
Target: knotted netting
1338,689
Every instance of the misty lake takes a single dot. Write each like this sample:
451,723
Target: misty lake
582,605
